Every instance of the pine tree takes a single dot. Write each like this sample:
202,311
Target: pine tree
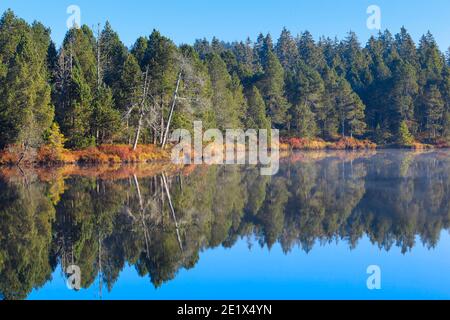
356,63
55,140
129,96
271,87
430,103
226,111
75,112
139,49
309,52
431,60
245,58
76,81
350,110
406,48
112,54
433,111
329,116
286,50
264,48
162,60
377,91
256,111
105,121
405,138
25,107
305,91
304,121
403,89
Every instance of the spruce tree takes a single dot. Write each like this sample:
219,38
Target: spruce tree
305,91
106,121
75,83
225,107
271,87
25,102
405,138
256,111
286,50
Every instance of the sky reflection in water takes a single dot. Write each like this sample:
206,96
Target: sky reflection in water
313,230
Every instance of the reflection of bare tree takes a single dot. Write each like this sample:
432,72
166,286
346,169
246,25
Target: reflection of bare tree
161,223
172,210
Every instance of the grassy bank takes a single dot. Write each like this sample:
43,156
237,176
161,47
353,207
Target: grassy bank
348,143
124,154
105,154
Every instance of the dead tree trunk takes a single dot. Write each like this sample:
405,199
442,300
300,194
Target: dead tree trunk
138,133
141,111
174,102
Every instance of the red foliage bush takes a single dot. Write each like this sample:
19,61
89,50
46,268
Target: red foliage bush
305,143
347,143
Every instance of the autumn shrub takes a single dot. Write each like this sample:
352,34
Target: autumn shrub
92,155
123,152
15,154
126,154
305,143
349,143
8,158
53,150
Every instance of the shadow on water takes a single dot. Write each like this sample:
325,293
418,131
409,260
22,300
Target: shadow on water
159,219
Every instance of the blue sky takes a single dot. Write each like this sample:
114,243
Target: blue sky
187,20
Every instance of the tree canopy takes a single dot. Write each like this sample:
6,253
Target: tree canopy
99,91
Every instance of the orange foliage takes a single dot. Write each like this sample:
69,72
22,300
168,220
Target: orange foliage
305,144
105,154
48,155
120,154
348,143
345,143
8,158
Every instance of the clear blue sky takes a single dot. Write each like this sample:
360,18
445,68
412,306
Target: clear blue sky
187,20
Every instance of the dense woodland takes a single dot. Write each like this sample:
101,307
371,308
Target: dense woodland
95,90
104,224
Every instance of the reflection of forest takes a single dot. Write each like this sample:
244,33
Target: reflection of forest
160,223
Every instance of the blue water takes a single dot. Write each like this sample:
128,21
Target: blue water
332,271
309,232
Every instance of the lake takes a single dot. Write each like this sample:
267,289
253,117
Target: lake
329,225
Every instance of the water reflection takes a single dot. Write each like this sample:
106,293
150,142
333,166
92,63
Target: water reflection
160,219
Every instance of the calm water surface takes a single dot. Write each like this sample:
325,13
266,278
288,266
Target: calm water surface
309,232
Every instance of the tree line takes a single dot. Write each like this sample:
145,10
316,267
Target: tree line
97,91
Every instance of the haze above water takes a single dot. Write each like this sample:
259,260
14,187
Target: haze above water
226,232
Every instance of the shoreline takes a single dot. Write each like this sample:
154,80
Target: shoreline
117,155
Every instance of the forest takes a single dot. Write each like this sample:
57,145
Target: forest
93,91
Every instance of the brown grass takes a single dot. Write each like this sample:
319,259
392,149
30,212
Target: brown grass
105,154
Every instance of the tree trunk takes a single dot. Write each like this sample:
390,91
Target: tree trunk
138,133
172,109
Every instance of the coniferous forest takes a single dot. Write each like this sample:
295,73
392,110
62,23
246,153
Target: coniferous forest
92,90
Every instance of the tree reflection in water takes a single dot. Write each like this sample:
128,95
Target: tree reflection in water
160,220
